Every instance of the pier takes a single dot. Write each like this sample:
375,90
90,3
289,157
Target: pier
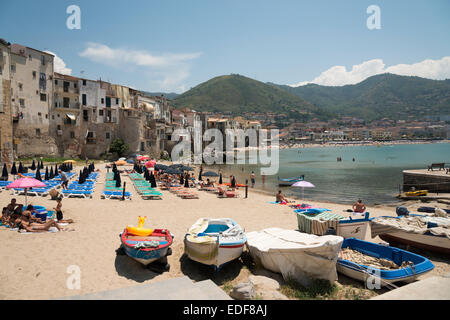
437,181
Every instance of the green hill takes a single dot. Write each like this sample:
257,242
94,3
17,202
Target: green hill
385,95
238,94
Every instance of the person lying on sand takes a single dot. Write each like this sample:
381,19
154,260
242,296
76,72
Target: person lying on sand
25,223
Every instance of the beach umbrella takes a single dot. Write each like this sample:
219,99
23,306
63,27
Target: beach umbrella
210,174
303,184
181,179
131,161
69,161
52,175
185,168
14,169
25,183
93,166
233,182
220,179
38,174
42,164
150,164
56,169
70,166
46,177
177,165
200,174
159,166
120,163
33,166
152,180
20,168
122,159
142,158
5,172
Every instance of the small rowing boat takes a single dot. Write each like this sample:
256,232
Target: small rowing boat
290,181
214,242
363,260
416,193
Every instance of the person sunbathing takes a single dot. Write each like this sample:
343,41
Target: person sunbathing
5,216
24,224
359,206
280,197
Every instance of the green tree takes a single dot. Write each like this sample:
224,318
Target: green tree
118,146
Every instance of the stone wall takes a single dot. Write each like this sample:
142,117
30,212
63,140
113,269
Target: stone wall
432,183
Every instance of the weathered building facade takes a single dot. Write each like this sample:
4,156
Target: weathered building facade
6,124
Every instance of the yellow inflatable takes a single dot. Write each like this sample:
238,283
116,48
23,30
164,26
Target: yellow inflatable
139,230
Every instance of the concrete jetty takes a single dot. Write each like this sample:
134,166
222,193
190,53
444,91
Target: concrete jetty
436,181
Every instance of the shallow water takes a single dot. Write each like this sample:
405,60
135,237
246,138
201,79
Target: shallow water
375,176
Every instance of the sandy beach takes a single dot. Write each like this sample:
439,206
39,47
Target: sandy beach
34,265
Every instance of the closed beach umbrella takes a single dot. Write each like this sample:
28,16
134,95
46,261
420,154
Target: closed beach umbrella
5,172
220,179
33,166
233,182
210,174
56,169
303,185
20,168
46,177
186,182
42,164
38,174
51,175
153,180
181,179
200,175
14,169
80,177
118,181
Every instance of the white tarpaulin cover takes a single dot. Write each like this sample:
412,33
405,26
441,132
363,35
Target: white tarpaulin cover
296,255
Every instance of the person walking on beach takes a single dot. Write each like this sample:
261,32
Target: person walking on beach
252,178
64,179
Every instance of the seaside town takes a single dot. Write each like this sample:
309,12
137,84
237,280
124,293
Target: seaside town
88,178
45,113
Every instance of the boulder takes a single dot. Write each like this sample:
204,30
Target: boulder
243,291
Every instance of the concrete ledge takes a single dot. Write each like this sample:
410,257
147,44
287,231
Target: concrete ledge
433,288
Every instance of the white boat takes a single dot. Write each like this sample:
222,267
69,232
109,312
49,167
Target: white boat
214,242
296,255
287,182
424,232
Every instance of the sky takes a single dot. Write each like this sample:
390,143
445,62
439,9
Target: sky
172,46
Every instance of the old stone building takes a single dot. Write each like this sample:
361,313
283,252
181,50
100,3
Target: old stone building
6,126
31,74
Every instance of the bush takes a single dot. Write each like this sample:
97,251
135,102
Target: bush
118,146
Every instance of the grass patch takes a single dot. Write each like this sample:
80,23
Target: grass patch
319,289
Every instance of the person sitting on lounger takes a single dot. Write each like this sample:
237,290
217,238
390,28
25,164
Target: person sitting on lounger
359,206
59,214
281,198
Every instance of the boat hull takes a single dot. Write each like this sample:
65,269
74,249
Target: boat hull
421,265
145,256
421,241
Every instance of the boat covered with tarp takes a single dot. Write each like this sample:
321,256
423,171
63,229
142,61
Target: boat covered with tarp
290,181
296,255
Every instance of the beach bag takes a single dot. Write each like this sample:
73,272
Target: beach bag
401,211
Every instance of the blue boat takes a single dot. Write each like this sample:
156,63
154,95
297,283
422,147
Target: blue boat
416,264
290,181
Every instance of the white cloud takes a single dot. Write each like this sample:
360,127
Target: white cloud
339,76
59,65
170,69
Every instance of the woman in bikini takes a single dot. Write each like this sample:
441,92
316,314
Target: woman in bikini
24,223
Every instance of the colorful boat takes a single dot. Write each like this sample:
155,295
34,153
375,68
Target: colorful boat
214,242
407,265
416,193
419,231
147,249
290,181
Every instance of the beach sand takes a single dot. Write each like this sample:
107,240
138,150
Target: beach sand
35,265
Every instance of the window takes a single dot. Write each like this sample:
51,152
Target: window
58,127
66,86
84,98
53,117
39,114
100,112
142,146
66,102
56,106
108,102
22,102
72,134
34,74
43,60
56,82
42,81
85,115
103,101
20,86
107,135
0,70
38,133
84,82
43,97
13,68
117,100
75,85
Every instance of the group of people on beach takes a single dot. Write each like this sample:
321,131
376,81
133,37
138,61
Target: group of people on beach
15,216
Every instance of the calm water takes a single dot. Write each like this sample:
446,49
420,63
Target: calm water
374,176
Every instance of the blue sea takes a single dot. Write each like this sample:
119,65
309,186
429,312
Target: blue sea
375,176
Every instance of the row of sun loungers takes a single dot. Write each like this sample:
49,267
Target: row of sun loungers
84,190
112,192
144,188
221,191
184,193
